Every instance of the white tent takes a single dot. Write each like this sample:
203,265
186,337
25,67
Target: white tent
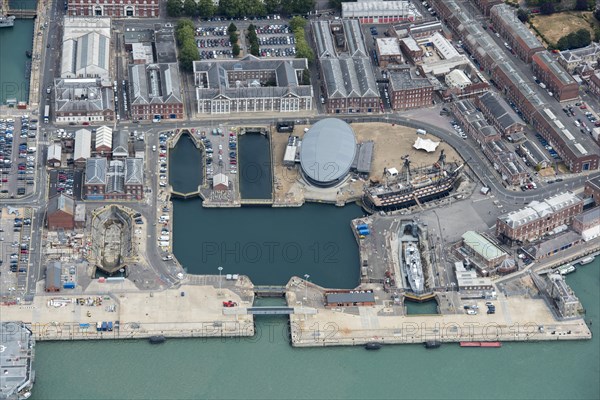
425,144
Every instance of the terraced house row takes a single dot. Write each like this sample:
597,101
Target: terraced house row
579,153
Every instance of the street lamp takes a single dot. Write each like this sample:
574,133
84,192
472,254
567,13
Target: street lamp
220,269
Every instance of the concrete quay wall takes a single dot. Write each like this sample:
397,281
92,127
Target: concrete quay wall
517,319
74,331
186,311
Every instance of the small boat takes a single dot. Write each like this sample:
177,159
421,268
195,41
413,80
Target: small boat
28,53
157,339
432,344
373,346
587,260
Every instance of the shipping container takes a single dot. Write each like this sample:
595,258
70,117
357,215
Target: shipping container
110,326
362,226
98,326
104,326
69,285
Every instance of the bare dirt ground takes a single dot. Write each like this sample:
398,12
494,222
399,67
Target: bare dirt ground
557,25
391,144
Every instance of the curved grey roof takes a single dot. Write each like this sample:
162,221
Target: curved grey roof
327,151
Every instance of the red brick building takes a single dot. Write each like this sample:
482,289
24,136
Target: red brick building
499,113
407,91
486,5
594,83
523,42
155,91
61,213
592,189
558,81
587,222
538,218
114,8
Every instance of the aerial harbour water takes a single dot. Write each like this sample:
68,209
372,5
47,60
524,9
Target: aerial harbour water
14,42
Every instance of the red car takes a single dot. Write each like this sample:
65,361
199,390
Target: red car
583,107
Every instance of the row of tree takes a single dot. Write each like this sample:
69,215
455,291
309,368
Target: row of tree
253,40
303,50
548,7
237,8
191,8
188,50
233,38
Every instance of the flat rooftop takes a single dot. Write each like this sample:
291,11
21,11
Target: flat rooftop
388,46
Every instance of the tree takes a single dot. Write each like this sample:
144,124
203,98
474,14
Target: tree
190,8
174,8
297,23
254,49
575,40
241,8
298,6
272,6
582,38
597,14
235,50
547,8
206,8
523,15
582,5
337,4
232,28
306,77
188,50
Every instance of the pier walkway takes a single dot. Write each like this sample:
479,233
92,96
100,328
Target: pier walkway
22,13
180,195
256,201
269,310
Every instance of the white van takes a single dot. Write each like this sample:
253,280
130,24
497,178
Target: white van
164,218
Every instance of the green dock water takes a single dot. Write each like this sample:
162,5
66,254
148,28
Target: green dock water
254,166
14,42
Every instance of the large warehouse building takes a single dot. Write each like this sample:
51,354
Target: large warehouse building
327,152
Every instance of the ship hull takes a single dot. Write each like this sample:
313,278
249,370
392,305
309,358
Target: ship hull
409,197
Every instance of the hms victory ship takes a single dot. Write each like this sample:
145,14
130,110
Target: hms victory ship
413,268
430,184
7,21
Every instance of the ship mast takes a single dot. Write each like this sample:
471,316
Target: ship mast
406,166
441,161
